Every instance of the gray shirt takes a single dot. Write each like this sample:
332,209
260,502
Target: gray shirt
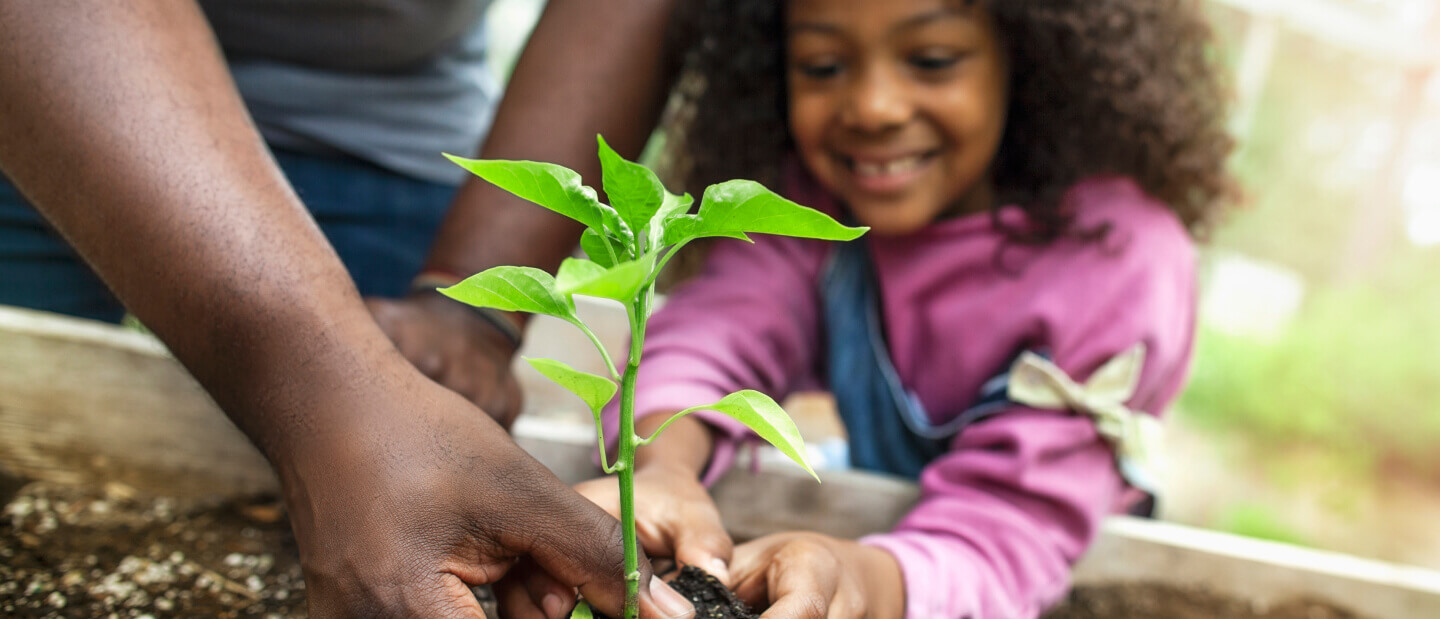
392,82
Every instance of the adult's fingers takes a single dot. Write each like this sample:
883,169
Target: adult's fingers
451,599
449,344
527,592
391,316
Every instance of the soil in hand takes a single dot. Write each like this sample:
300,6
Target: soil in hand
711,599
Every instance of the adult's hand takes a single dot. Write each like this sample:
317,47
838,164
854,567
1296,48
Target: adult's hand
118,120
421,497
453,346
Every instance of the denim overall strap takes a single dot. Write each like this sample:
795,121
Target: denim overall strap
889,430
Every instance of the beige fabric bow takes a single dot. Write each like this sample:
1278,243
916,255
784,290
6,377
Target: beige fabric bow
1038,383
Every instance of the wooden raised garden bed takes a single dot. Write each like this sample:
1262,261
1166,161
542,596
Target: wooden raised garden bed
137,496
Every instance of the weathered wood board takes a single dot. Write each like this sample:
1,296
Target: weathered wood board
84,402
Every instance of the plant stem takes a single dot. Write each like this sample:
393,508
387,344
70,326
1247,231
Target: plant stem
595,339
626,464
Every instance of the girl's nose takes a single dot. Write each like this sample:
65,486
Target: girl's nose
877,102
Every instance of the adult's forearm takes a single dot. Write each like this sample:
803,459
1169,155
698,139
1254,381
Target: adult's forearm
590,67
120,123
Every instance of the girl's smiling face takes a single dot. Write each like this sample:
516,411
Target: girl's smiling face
897,107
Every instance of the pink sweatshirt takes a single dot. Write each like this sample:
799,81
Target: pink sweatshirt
1019,496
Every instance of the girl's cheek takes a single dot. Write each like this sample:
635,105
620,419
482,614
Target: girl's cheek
807,121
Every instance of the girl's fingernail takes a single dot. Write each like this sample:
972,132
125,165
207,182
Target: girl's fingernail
668,601
553,606
718,569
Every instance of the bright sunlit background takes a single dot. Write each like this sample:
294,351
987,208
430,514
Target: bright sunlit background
1313,411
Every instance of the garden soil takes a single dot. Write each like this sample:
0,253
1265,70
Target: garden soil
82,552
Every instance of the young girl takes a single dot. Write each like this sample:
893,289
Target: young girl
1031,173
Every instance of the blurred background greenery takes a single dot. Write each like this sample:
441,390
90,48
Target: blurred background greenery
1313,411
1317,370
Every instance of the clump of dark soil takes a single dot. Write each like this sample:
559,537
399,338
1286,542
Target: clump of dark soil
78,552
1148,600
711,599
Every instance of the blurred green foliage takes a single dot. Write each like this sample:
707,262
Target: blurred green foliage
1356,373
1260,522
1355,378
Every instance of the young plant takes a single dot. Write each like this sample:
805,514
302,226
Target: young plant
628,243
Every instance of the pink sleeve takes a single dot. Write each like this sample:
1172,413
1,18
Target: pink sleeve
1003,516
1020,496
748,321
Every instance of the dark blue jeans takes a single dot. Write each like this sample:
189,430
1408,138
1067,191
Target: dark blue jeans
380,223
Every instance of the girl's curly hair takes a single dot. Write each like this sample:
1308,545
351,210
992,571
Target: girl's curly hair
1097,87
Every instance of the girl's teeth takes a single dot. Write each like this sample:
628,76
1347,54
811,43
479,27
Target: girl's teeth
894,166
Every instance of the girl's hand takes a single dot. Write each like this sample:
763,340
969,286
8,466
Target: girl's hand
812,576
674,516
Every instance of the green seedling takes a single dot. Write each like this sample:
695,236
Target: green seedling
629,242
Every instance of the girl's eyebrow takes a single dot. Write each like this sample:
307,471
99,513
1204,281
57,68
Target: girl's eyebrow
909,22
930,16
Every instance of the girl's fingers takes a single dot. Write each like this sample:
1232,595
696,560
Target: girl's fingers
703,543
848,602
690,533
796,576
654,540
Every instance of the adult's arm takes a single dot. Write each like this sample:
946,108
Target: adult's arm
118,120
590,67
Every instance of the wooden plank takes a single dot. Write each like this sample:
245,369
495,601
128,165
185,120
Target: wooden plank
86,402
1263,572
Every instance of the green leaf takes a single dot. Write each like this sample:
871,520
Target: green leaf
596,391
761,414
555,187
634,191
593,242
733,208
514,289
674,206
582,611
621,282
575,272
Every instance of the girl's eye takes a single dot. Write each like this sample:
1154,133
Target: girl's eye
819,70
934,62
